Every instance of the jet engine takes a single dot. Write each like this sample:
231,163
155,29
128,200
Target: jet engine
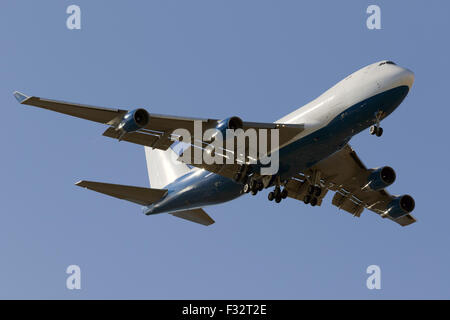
134,120
229,123
381,178
401,206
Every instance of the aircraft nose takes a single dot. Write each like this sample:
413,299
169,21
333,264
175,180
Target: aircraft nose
407,77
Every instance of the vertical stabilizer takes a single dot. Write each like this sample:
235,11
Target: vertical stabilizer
163,168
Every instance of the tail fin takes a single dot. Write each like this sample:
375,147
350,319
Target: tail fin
163,168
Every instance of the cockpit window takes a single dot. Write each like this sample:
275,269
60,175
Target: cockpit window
387,62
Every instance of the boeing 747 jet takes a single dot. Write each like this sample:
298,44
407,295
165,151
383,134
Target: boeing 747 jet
312,151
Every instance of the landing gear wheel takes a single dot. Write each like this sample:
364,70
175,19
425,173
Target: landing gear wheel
254,192
313,202
278,198
311,189
307,199
317,191
260,186
373,130
276,192
246,188
379,132
270,196
284,193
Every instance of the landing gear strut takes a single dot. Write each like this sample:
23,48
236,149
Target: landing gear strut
376,129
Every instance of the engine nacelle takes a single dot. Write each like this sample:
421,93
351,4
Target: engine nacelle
229,123
381,178
401,206
134,120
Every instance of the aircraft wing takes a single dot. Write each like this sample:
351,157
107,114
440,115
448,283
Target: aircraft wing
158,133
346,175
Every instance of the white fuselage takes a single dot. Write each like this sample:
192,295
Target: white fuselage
360,85
329,120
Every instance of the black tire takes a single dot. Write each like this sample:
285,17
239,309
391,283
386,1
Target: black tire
260,186
246,188
313,202
270,196
373,130
284,193
278,199
317,191
379,132
254,192
276,192
311,189
307,199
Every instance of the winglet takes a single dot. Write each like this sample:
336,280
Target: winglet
80,183
20,96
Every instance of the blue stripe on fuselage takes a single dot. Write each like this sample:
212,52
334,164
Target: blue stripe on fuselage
318,145
200,188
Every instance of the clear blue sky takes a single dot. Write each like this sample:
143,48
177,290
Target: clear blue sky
258,60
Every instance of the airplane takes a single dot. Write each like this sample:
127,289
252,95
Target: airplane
314,154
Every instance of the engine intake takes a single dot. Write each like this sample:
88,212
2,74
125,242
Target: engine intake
381,178
401,206
134,120
233,123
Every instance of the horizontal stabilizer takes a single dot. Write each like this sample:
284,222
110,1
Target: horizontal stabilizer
195,215
142,196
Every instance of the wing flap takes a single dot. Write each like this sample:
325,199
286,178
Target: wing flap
195,215
347,204
137,137
405,220
139,195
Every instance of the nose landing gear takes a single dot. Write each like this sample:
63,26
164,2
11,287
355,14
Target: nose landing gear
376,129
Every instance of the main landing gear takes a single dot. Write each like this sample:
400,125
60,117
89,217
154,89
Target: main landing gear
277,194
313,193
376,129
253,187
